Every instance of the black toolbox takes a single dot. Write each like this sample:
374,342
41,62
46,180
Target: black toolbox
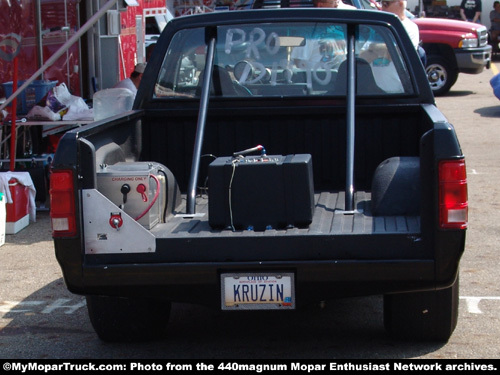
261,192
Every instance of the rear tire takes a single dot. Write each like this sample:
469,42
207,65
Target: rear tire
128,319
422,316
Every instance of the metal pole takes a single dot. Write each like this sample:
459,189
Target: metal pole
350,126
200,130
39,41
61,50
13,136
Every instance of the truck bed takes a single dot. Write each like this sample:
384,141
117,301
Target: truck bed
329,218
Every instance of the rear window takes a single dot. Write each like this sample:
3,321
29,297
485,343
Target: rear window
268,60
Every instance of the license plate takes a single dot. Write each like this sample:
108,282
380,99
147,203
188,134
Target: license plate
257,291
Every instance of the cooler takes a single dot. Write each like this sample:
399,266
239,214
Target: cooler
17,212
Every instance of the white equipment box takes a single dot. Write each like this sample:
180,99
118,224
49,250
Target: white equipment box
138,188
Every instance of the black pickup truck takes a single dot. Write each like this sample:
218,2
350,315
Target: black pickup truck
273,159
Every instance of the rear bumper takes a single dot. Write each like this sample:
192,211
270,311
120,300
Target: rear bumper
355,266
315,281
473,61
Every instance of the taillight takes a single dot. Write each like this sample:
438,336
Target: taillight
62,203
453,204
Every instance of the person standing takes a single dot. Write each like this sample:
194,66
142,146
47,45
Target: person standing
470,10
495,24
398,7
132,83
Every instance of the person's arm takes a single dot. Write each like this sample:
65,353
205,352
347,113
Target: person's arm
462,15
476,16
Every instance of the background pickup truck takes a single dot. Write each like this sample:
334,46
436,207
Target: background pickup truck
452,46
273,159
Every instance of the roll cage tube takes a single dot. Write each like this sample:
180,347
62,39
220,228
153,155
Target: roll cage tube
350,119
211,37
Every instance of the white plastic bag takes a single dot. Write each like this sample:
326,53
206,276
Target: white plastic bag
77,109
62,94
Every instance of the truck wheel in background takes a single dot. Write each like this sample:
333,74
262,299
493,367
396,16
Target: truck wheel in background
441,74
425,316
128,319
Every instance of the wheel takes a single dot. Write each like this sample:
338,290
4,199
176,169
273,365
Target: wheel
128,319
440,74
426,316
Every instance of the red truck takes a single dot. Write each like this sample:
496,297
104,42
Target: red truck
452,47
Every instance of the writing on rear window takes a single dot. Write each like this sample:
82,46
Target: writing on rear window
283,59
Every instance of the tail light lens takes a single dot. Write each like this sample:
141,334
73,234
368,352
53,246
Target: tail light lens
62,203
453,204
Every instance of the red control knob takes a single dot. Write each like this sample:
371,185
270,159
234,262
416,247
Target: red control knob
141,189
116,221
